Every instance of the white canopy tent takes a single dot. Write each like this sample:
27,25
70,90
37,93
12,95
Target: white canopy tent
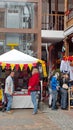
16,57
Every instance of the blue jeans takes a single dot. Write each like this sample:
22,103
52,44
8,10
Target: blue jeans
9,101
64,94
50,96
54,98
34,100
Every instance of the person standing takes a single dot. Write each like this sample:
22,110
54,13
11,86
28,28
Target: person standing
50,90
9,88
54,86
33,85
64,83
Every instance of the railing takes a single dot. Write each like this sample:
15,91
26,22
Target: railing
70,15
53,22
69,21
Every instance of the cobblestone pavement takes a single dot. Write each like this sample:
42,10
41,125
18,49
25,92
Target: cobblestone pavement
22,119
62,118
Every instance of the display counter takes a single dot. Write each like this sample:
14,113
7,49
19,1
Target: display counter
22,101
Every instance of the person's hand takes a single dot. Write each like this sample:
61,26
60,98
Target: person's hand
11,93
9,90
58,87
29,87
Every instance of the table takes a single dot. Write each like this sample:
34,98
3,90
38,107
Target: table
22,101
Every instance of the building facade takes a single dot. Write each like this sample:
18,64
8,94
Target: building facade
20,26
37,27
68,30
57,30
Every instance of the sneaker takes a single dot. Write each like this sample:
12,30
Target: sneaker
54,109
34,113
9,112
3,110
64,108
49,106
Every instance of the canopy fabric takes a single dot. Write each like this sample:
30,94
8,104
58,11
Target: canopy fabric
16,57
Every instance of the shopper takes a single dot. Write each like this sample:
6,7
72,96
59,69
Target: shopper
55,86
64,83
33,88
9,88
50,90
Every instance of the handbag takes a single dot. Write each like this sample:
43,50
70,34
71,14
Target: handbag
65,86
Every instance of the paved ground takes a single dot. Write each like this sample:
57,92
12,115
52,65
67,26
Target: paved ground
46,119
62,118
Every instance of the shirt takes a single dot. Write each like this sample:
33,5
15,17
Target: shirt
9,84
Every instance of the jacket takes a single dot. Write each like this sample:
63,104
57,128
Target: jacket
34,82
54,83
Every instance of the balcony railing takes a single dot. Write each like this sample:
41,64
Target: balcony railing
53,22
69,21
70,15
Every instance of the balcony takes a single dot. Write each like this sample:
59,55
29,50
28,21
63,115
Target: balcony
69,21
53,22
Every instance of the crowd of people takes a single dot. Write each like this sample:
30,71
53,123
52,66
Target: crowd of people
58,90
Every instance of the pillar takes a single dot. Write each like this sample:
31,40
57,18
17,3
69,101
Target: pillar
56,12
66,44
65,9
39,28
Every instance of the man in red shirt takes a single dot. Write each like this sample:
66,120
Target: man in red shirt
33,88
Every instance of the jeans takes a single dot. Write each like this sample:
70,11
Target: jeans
64,95
54,98
34,100
50,96
9,101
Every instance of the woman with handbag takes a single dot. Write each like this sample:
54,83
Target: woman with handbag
64,83
33,87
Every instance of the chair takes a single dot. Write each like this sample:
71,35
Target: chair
70,97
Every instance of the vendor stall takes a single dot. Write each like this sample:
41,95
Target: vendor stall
19,61
22,101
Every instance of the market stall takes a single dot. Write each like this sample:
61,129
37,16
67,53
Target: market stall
19,61
22,101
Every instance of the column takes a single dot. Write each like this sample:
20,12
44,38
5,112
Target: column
56,12
66,44
65,9
39,28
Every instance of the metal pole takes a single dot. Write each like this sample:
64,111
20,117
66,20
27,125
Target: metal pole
41,83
